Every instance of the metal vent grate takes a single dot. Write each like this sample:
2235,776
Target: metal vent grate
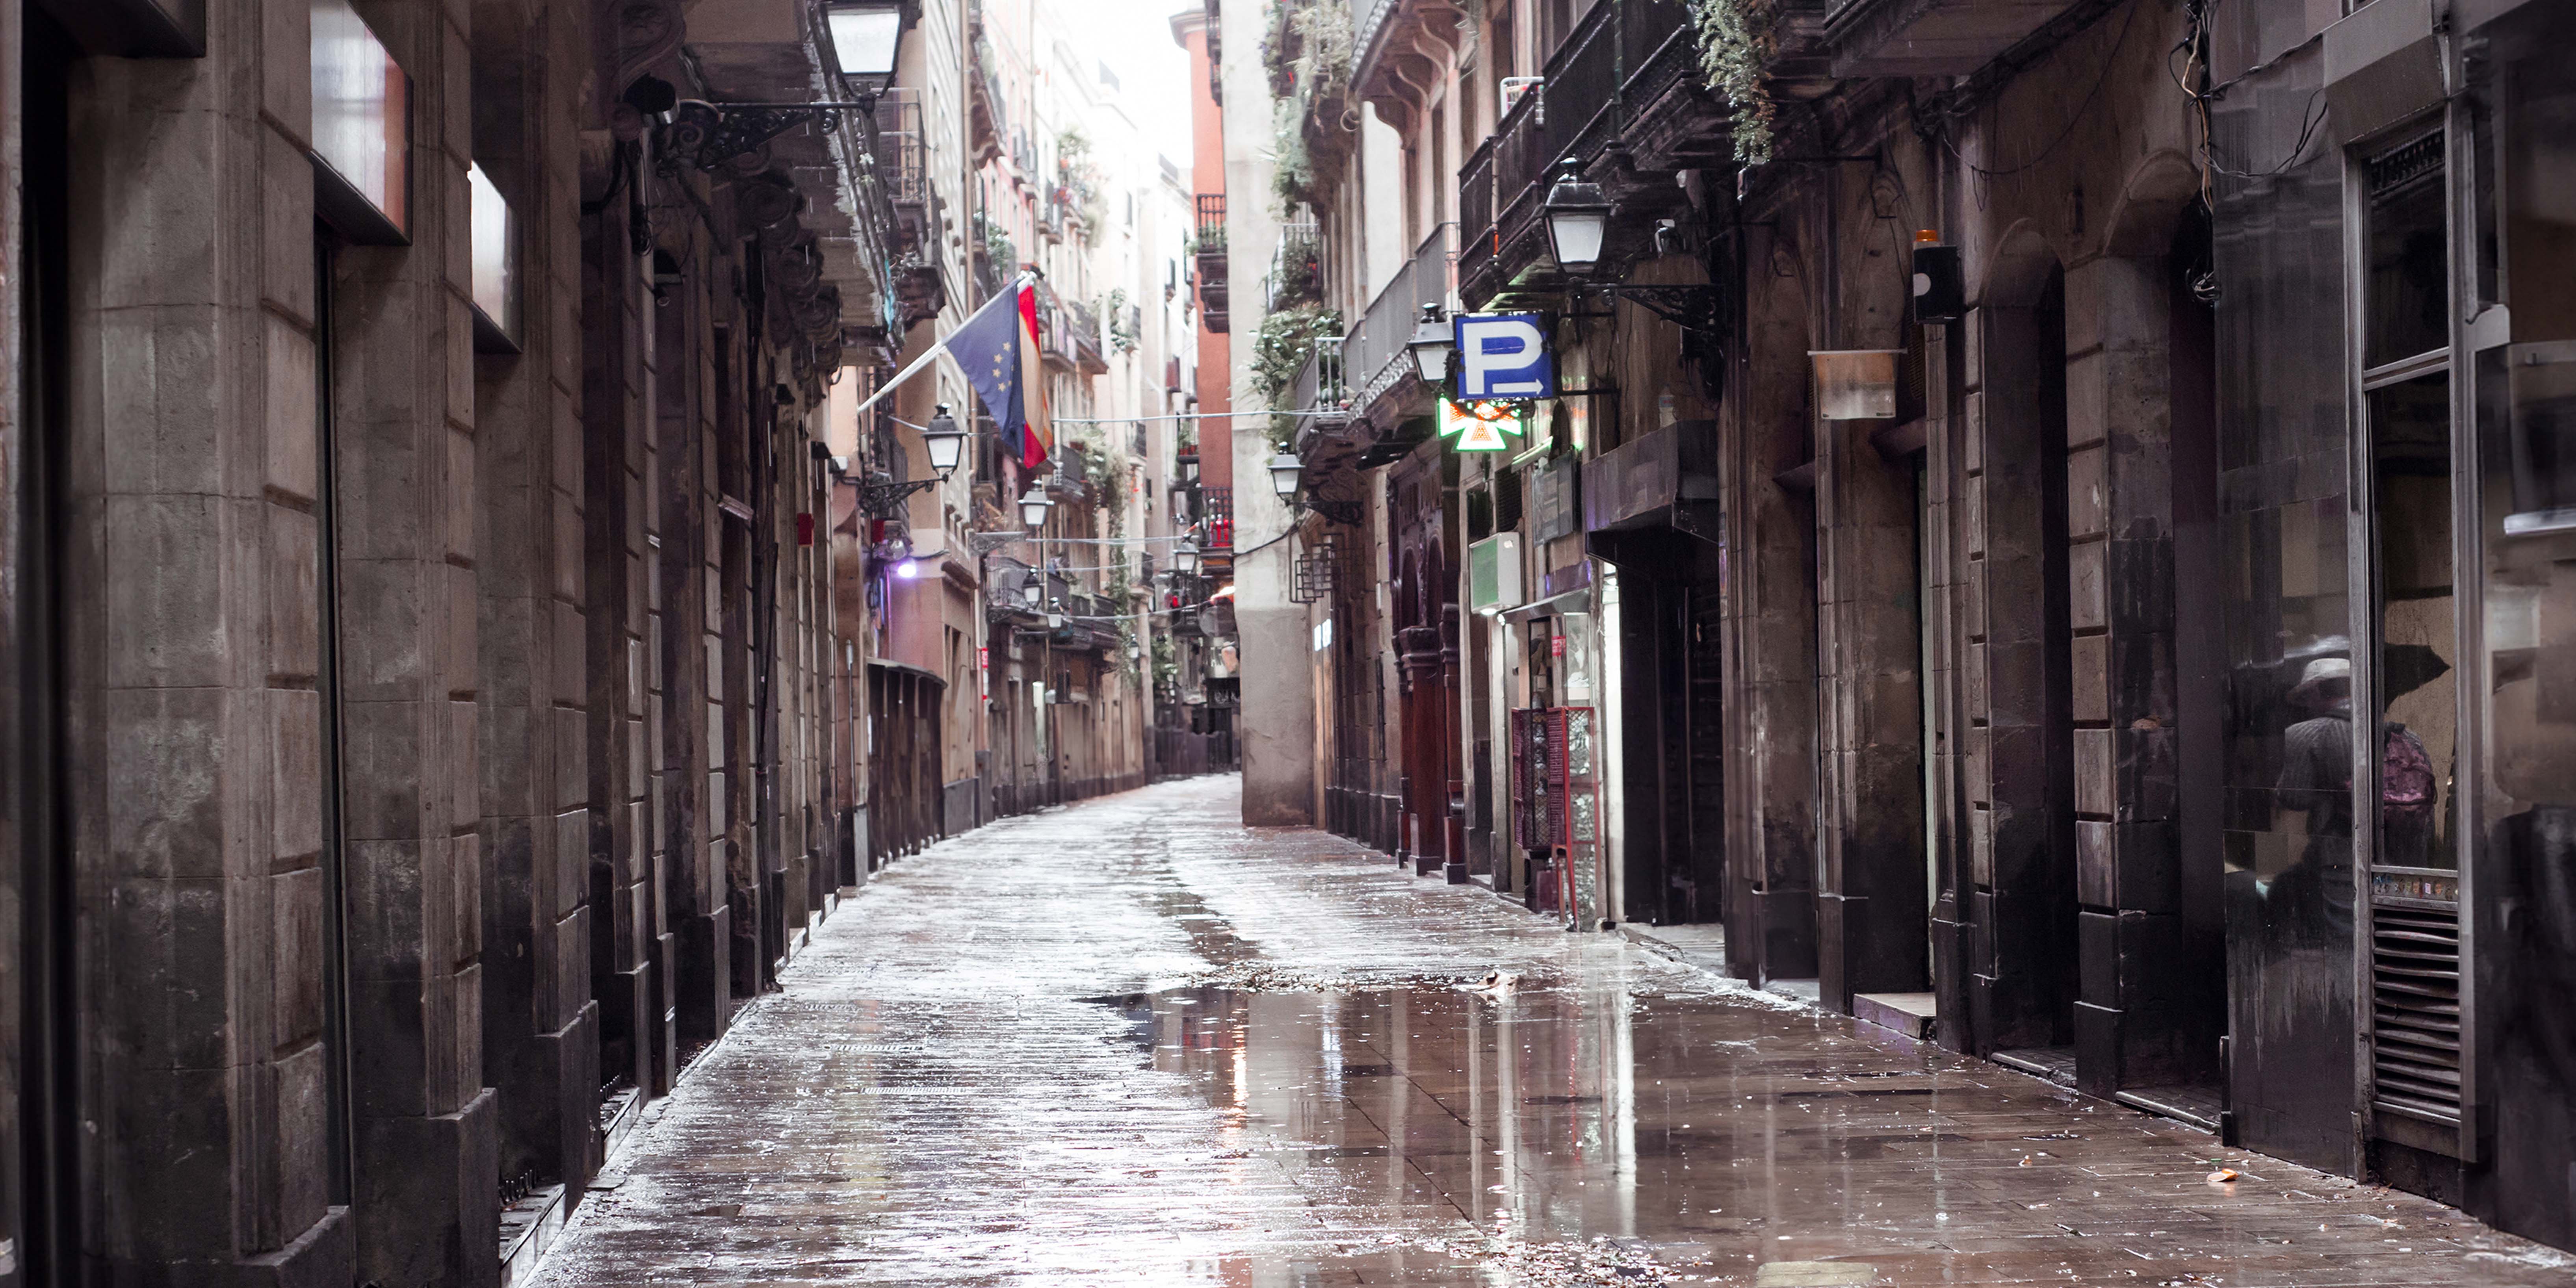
2392,172
2415,1009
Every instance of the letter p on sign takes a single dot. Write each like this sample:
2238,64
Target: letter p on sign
1503,355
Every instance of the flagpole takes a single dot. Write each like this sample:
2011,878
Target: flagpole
1010,296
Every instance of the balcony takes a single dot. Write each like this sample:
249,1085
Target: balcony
1067,477
1374,362
1084,325
1621,96
1930,37
1209,243
1319,389
902,173
1296,268
989,121
1007,586
1217,504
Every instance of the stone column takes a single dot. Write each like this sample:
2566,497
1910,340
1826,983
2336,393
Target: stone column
193,750
691,661
616,375
403,423
1770,703
540,1023
2119,492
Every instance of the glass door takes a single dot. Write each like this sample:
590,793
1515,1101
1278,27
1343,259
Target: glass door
2404,675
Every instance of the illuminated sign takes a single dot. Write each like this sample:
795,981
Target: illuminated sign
1503,355
1483,426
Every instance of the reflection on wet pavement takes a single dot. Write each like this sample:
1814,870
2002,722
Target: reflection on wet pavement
1132,1043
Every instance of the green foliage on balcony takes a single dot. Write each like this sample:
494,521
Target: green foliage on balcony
1736,39
1307,54
1123,329
1278,350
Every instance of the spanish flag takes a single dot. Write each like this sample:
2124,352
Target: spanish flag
1037,428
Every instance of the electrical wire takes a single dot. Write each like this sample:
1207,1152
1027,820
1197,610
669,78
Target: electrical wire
1186,415
2073,119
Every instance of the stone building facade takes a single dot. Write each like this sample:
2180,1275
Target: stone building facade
426,735
1988,469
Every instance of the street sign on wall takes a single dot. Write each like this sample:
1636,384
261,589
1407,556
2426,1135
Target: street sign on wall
1503,355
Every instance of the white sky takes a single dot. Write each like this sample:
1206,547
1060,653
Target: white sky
1134,38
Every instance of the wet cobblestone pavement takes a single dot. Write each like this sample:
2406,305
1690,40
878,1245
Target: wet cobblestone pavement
1130,1042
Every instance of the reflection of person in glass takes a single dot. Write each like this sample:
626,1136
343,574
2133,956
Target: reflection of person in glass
2314,896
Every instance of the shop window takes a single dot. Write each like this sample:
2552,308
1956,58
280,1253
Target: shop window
2408,292
2410,432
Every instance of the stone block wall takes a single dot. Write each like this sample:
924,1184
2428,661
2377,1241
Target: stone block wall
380,833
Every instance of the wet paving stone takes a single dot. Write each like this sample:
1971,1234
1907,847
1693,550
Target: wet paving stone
1131,1042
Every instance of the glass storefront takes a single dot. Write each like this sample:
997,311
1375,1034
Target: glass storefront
2284,510
2524,87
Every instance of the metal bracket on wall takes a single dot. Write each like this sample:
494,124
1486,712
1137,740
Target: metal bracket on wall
1346,513
708,135
880,497
1693,307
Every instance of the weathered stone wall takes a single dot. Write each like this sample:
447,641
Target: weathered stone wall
345,599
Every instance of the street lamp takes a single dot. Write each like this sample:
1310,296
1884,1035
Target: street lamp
1578,219
1034,505
1431,346
1185,558
945,442
1284,471
867,38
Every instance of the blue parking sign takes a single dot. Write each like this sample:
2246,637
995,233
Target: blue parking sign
1503,355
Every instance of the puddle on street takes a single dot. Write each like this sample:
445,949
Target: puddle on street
1329,1074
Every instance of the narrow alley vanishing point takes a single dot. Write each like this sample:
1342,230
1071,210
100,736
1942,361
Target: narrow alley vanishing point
1132,1042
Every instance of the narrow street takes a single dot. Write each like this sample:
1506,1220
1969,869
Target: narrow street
1131,1042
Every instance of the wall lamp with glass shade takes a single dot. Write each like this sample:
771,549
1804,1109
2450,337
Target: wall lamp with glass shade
867,42
1434,339
1578,219
1287,473
944,441
1034,505
1285,469
1185,558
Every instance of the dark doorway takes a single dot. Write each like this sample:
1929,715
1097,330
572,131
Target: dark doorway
2200,664
2027,1012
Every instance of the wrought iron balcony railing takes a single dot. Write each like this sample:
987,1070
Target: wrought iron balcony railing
1217,503
1319,385
1296,267
1373,354
1620,77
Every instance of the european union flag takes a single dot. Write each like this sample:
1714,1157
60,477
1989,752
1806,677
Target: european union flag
987,347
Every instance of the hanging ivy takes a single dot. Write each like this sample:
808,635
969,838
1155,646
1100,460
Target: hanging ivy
1292,171
1279,349
1122,328
1736,40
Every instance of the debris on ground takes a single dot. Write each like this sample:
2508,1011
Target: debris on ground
1564,1263
1271,977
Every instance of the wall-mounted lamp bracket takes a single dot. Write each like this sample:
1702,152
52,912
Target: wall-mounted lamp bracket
708,135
